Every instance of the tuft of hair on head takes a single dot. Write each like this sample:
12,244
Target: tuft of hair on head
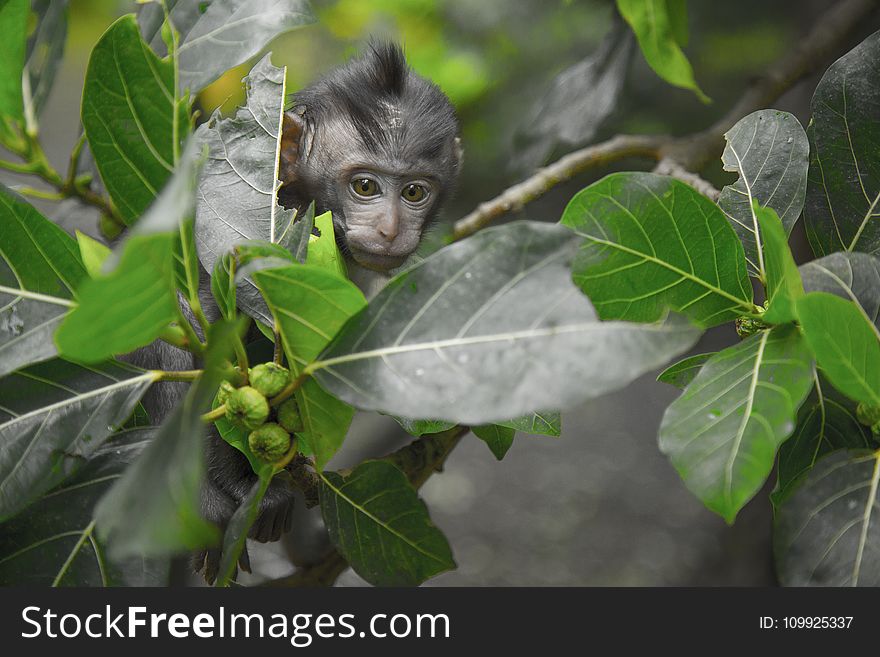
378,90
388,64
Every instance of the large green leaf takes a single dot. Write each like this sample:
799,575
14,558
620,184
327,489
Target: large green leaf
217,36
40,268
381,527
659,35
132,121
309,305
44,49
828,532
55,542
13,35
770,152
652,243
843,191
723,432
129,306
826,422
53,416
782,278
845,343
126,308
237,200
854,276
487,329
153,509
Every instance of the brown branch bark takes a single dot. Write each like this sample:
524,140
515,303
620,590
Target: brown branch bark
682,156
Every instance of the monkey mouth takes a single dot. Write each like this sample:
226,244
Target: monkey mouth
376,261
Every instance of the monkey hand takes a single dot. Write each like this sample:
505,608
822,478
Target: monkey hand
230,478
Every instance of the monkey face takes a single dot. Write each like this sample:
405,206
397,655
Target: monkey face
384,214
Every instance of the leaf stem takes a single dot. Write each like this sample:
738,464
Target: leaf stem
216,414
179,375
291,388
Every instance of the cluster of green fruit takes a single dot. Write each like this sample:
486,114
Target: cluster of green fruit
247,407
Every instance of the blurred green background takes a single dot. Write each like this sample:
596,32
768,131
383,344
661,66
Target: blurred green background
599,505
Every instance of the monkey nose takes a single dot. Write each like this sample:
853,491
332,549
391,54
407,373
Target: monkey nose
389,227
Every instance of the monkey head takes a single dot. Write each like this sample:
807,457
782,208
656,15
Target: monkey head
378,146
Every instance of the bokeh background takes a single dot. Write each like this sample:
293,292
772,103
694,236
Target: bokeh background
600,505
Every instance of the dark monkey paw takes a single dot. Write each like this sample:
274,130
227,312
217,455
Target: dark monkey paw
230,478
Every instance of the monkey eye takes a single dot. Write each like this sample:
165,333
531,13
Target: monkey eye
414,193
365,187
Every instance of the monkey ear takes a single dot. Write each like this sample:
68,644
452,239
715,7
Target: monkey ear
292,129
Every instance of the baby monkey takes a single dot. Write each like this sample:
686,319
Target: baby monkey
377,145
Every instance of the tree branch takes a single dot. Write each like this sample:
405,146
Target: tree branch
565,168
681,156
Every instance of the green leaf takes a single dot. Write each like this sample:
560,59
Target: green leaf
659,36
326,420
419,428
129,306
498,438
237,201
13,34
683,372
309,305
487,329
153,509
378,523
53,417
827,532
223,285
54,543
235,536
784,286
44,50
723,432
237,437
92,252
843,190
131,119
544,423
854,276
826,422
219,35
845,344
678,21
651,244
40,268
323,251
770,152
125,309
186,262
301,234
